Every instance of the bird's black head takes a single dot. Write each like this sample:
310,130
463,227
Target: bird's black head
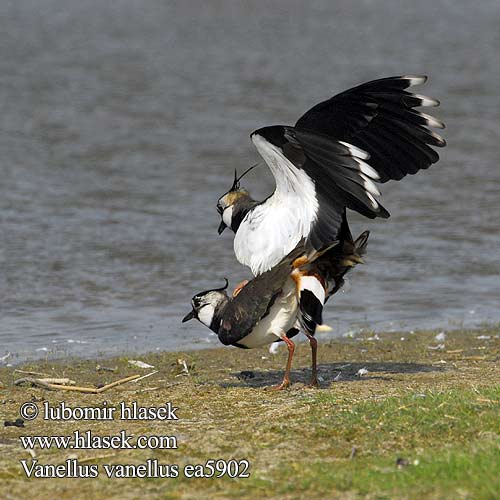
234,204
206,304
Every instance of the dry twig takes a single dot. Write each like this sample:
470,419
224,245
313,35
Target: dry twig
55,387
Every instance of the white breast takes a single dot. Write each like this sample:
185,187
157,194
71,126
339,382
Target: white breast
273,229
266,235
281,318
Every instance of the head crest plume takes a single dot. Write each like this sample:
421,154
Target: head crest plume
224,287
214,289
236,182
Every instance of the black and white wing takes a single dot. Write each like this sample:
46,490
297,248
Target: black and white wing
336,151
380,118
321,176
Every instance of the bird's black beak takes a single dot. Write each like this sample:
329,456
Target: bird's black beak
222,226
189,315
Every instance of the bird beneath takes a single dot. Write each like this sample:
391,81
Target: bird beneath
328,161
275,304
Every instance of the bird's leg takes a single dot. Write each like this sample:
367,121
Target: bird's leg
314,371
286,379
239,287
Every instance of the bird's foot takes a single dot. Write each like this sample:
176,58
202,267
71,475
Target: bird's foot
283,385
240,286
314,383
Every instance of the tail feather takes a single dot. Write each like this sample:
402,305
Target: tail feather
311,310
341,260
361,243
320,273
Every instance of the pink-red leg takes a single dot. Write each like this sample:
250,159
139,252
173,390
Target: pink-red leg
314,370
286,379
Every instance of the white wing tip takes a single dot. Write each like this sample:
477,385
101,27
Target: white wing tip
370,186
440,141
373,201
367,170
432,122
415,79
426,102
355,151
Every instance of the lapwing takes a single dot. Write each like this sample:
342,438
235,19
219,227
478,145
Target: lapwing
329,161
272,305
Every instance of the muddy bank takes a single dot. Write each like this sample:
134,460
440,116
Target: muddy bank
383,398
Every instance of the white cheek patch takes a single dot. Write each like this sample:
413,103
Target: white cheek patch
206,314
227,216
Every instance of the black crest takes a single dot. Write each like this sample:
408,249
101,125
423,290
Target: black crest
236,181
213,290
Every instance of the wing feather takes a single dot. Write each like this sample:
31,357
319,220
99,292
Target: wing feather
335,173
330,159
255,300
379,117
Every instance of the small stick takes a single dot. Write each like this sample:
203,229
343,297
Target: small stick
31,373
118,382
91,390
33,381
58,381
146,376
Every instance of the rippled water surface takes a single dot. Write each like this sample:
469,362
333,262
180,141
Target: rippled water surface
121,123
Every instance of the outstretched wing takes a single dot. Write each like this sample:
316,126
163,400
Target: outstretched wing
318,177
330,159
379,117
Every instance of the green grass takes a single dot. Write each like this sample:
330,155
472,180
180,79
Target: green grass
412,420
453,472
450,441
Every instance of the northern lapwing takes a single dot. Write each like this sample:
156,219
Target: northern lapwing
329,161
272,305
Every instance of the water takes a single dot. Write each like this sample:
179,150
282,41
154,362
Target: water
121,123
